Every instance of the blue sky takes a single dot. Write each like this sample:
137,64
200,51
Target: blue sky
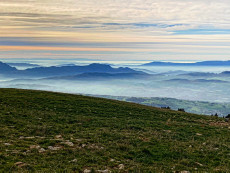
115,29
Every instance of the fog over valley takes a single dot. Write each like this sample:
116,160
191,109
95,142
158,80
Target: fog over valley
208,83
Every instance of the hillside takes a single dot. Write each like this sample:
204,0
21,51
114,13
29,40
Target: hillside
55,132
197,107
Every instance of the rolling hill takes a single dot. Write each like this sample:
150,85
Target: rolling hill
56,132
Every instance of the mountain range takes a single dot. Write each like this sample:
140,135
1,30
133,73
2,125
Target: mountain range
102,76
202,63
52,71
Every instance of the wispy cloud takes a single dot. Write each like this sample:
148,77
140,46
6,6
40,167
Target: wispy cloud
196,27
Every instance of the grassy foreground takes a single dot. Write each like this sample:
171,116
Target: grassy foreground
55,132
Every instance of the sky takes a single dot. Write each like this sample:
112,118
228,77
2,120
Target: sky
115,29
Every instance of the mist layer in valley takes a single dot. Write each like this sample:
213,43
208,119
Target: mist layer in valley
208,83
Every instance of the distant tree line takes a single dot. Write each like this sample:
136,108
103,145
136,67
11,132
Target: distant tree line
183,110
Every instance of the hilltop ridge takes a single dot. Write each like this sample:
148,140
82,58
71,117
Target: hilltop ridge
47,131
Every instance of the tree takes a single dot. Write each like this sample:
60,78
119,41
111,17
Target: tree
181,110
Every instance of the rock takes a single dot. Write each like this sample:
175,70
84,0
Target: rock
198,134
58,137
121,166
83,145
184,172
199,164
41,150
7,144
74,161
35,147
104,171
87,171
69,143
53,148
20,164
112,160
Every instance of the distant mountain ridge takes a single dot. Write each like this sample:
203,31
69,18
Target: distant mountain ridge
205,74
202,63
23,64
102,76
5,68
63,70
74,70
195,81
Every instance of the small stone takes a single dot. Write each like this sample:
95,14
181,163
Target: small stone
42,150
35,147
190,146
69,143
104,171
83,145
74,160
184,172
112,160
199,164
121,166
198,134
53,148
87,171
7,144
58,137
18,163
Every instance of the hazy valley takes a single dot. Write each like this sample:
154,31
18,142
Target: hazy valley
129,79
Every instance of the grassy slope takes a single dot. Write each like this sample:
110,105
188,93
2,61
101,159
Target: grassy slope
197,107
137,136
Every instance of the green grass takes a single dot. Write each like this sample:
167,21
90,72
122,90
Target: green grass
197,107
106,135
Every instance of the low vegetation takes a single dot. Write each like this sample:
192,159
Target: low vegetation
55,132
197,107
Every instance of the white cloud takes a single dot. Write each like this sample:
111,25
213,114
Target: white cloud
196,13
119,20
